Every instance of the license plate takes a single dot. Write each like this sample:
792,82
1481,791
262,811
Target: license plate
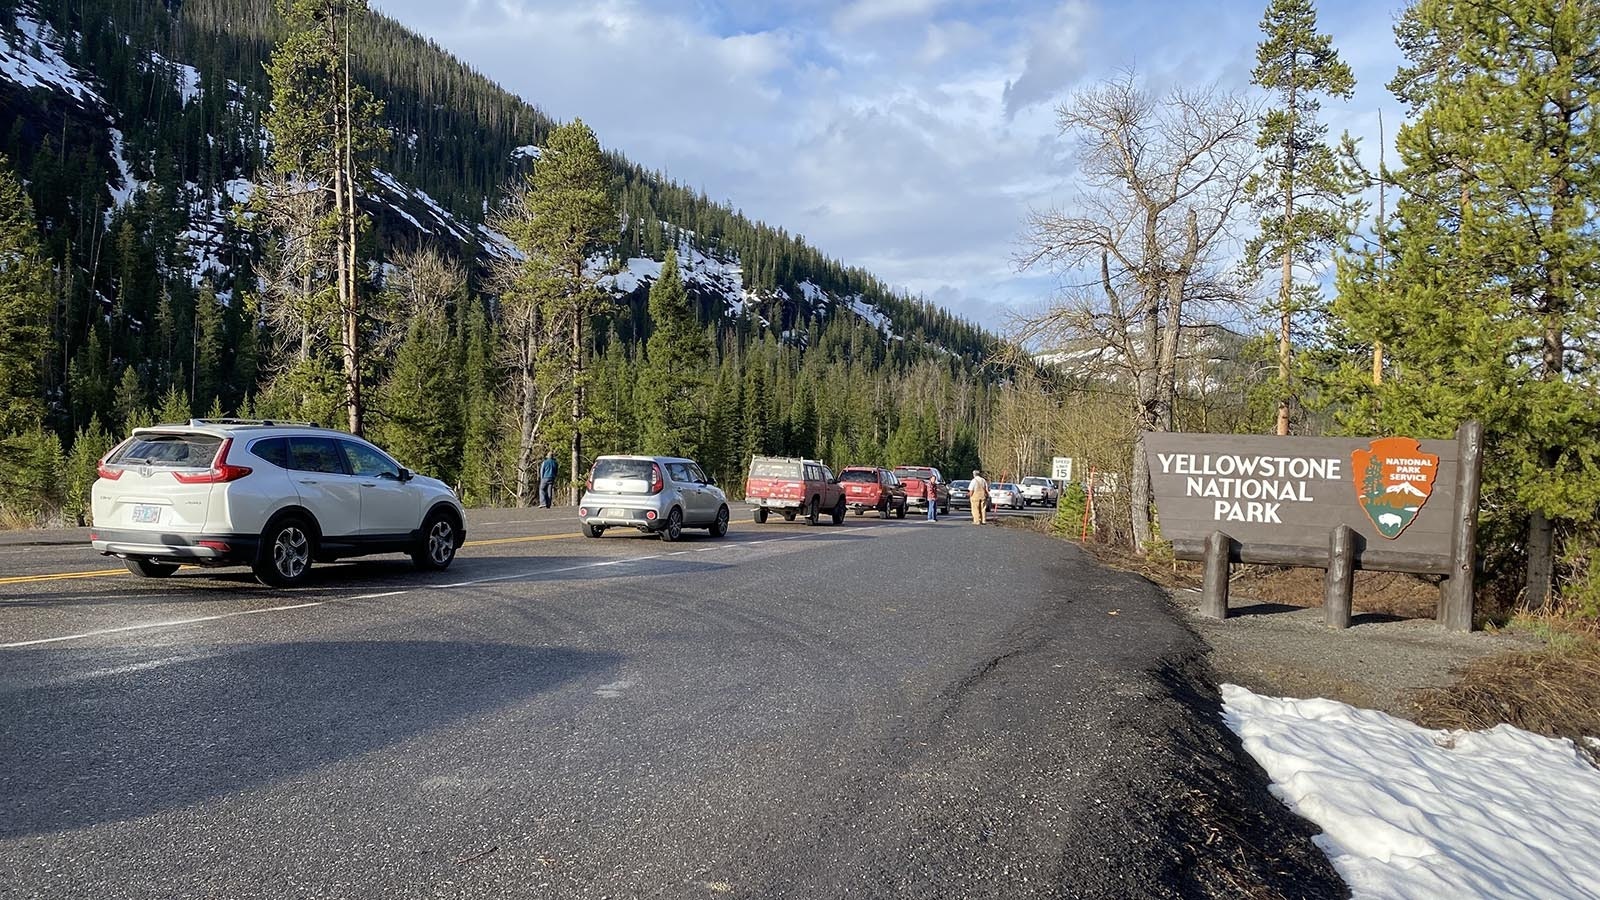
615,513
143,514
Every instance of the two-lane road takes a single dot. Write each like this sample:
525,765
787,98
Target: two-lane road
882,709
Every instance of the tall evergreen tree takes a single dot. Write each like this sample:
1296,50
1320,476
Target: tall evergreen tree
672,384
324,125
1303,191
1491,301
24,308
421,422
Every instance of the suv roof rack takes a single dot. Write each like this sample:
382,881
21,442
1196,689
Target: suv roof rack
262,422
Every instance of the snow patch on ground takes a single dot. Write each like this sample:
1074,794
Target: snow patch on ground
1409,812
185,78
35,61
123,191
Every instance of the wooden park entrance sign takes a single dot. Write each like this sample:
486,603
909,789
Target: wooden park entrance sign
1388,504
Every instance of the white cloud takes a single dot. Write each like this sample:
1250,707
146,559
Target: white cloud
867,13
1054,59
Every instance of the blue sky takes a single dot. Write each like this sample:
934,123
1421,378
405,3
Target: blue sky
909,137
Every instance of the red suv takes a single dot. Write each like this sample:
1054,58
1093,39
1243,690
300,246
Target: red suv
869,487
802,487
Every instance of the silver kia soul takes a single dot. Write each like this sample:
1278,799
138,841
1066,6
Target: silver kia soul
659,494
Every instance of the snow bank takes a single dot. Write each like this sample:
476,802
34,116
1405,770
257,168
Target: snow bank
1409,812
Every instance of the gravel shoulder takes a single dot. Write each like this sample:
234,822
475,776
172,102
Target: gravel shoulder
1380,662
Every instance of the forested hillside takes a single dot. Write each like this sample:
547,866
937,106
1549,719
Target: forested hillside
138,132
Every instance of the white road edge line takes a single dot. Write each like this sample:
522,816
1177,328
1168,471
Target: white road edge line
170,624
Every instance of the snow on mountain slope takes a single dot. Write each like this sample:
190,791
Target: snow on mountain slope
35,61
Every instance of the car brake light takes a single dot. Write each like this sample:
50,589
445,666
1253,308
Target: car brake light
107,472
656,482
219,546
220,472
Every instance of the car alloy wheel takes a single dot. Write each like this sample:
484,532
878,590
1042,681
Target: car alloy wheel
674,529
720,526
286,553
441,543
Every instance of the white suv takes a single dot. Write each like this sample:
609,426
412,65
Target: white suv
272,496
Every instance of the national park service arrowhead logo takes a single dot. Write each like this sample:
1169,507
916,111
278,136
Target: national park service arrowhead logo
1394,478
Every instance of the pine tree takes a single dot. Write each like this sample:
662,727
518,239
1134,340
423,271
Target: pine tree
209,371
31,486
672,383
1491,296
1303,191
478,413
24,308
421,401
323,126
130,400
563,214
89,446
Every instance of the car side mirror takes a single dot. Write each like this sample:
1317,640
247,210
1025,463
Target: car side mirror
833,481
406,474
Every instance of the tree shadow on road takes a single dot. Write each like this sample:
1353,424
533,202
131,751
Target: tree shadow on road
129,744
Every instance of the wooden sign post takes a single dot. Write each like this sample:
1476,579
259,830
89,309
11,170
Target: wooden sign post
1388,504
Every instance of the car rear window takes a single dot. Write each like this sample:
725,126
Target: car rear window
774,468
923,474
960,485
171,451
866,475
1043,481
630,469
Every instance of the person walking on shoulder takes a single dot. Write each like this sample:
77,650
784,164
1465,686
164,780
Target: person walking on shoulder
978,492
930,490
547,480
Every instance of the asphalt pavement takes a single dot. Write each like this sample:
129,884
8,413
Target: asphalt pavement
879,709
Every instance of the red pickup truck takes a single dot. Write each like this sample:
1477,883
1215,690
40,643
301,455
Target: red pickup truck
793,487
869,487
914,477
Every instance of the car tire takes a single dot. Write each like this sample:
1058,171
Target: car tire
674,528
760,515
788,515
719,525
287,548
149,568
593,531
814,511
838,512
900,511
859,512
436,545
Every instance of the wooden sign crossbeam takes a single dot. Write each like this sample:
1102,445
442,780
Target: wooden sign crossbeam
1338,504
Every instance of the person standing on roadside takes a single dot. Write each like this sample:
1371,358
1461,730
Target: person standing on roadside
547,480
978,493
930,490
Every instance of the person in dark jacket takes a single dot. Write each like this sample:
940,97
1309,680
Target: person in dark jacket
547,480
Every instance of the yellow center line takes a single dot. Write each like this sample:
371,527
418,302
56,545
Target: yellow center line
61,576
102,573
522,540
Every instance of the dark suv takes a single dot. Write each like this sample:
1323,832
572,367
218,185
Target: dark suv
869,487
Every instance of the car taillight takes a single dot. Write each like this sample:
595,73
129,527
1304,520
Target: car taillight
656,482
107,472
221,470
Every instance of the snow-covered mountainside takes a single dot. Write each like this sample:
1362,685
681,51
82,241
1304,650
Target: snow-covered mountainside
37,75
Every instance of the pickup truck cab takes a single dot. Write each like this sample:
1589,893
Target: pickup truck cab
1040,490
869,487
914,477
793,487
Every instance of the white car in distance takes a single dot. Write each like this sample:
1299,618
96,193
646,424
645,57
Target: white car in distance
269,495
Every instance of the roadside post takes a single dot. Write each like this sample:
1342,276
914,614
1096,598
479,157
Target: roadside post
1387,504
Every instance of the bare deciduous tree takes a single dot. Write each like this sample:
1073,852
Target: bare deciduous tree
1147,239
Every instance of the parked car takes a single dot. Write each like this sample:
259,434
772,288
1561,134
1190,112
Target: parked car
660,495
1040,490
1005,495
913,478
960,494
869,487
793,487
273,496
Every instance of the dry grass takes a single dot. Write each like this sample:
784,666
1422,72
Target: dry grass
1553,691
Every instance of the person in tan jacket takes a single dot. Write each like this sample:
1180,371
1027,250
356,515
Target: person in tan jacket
978,496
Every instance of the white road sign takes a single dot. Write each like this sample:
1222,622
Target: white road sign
1061,467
